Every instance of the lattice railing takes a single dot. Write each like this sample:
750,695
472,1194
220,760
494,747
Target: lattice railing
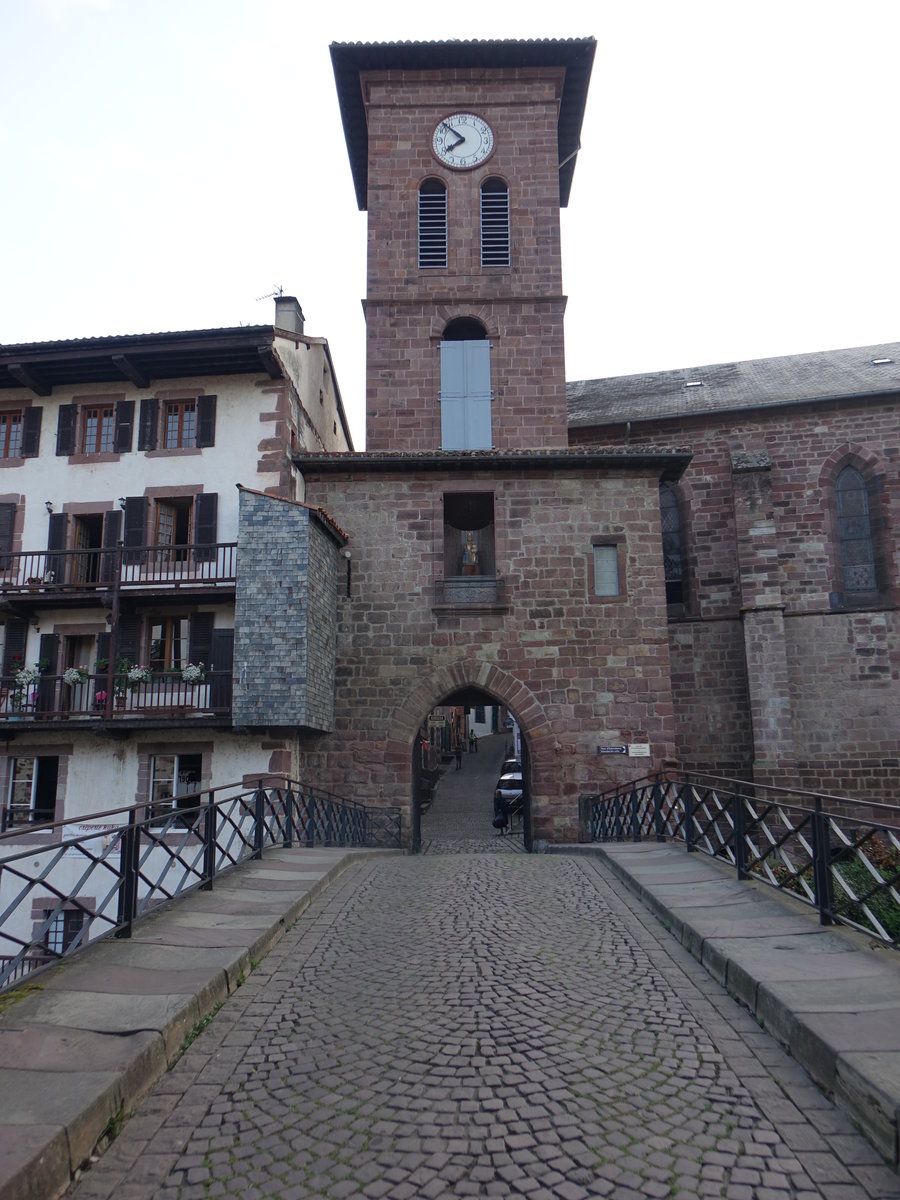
839,855
65,884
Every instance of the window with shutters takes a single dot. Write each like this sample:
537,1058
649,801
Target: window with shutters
494,223
11,427
94,426
465,387
177,423
432,224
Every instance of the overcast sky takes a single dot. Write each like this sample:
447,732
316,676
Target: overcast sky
167,162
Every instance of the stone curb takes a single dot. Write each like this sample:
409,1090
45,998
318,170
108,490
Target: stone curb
850,1049
59,1099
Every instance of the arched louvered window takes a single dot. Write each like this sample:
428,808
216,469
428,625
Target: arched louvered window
855,532
494,223
432,224
673,557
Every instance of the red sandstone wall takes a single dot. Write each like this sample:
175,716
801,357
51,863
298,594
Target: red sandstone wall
843,668
576,672
521,306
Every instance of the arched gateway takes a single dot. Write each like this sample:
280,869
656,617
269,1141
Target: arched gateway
467,684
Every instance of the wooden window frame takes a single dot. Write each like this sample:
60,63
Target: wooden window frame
103,436
11,448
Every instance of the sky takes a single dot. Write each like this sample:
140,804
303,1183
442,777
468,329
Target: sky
169,164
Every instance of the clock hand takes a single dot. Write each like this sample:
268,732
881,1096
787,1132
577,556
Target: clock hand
460,137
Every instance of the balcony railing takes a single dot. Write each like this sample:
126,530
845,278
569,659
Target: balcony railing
49,573
51,698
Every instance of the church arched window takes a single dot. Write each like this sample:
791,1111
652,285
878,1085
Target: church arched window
673,547
857,547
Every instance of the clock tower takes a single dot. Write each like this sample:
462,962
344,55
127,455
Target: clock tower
462,153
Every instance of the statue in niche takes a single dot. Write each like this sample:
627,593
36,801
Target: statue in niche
470,564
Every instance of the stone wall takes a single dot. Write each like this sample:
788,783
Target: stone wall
822,701
577,671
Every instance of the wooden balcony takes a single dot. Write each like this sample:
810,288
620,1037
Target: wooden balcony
58,577
104,698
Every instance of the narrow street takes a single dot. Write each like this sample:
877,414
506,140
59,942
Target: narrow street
459,820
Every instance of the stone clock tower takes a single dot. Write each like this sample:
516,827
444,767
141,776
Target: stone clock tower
488,564
463,153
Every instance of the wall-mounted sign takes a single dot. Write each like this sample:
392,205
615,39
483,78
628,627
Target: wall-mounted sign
639,750
612,749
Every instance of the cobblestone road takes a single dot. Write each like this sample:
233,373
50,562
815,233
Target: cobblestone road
484,1025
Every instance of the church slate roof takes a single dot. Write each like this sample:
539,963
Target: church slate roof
725,387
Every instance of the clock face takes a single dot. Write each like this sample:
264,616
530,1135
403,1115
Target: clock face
462,140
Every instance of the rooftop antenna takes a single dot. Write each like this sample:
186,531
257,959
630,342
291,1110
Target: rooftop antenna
277,292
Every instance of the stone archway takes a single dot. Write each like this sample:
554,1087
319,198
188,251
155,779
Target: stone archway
465,678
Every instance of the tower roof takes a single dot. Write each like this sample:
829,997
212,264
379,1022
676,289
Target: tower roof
575,55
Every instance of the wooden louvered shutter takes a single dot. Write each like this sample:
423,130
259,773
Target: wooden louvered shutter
57,529
206,421
124,426
65,429
31,432
47,658
112,530
221,668
201,634
135,535
128,635
147,432
14,649
206,507
7,532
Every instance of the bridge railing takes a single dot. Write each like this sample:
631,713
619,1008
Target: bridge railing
839,855
71,882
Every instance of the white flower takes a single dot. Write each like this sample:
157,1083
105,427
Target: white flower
26,676
73,676
192,673
139,675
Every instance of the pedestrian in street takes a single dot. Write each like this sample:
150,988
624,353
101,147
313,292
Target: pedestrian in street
458,755
473,742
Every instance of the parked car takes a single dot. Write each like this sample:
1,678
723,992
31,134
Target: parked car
511,765
507,798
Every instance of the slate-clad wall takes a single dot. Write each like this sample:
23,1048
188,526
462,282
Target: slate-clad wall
284,629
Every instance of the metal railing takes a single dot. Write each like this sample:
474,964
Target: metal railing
840,856
109,869
50,573
166,694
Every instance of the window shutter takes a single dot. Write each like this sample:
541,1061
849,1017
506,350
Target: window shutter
494,223
103,640
7,532
478,395
453,390
112,531
221,668
205,524
201,635
206,420
48,654
124,426
135,535
149,423
31,432
57,528
128,644
14,648
65,429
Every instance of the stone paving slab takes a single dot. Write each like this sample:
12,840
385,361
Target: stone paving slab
830,994
81,1043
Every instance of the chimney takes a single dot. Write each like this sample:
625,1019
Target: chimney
288,314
